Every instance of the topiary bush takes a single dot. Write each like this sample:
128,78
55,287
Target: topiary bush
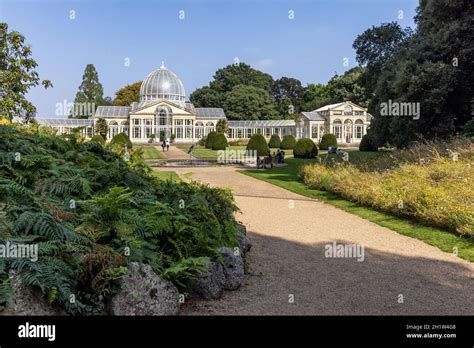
210,139
288,142
274,142
305,148
258,143
328,140
202,141
120,140
98,139
220,142
367,144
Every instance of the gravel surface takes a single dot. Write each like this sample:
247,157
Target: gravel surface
290,275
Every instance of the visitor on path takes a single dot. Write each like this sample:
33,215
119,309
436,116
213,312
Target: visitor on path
191,151
167,144
163,145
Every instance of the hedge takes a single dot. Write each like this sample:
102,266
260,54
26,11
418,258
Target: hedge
120,140
220,142
288,142
305,148
328,140
258,143
274,142
210,139
367,144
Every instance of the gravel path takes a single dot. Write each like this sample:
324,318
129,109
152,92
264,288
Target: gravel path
290,275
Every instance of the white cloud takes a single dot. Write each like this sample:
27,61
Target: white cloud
265,63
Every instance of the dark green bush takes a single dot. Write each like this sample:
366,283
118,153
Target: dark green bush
117,204
120,140
305,148
98,139
202,141
258,143
328,140
468,129
210,139
288,142
220,142
367,144
274,142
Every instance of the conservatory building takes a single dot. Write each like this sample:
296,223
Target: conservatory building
163,111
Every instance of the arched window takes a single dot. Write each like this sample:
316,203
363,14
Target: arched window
359,129
209,127
348,130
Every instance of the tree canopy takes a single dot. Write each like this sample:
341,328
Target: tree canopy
128,94
249,103
17,75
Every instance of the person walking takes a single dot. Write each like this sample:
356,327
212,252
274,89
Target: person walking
163,145
167,144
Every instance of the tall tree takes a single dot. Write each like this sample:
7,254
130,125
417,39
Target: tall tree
434,67
90,93
288,93
249,103
128,94
227,78
347,86
17,75
101,128
316,96
207,97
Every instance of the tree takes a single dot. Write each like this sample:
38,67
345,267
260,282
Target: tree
101,127
249,103
125,96
430,68
222,126
316,96
347,87
90,93
206,97
227,78
288,92
17,75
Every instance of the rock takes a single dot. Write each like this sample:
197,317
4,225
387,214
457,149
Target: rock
143,292
26,300
209,284
244,243
233,269
241,228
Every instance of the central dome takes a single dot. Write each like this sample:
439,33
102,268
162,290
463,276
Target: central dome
162,84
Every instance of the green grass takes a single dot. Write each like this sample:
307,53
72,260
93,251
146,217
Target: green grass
167,175
287,178
150,152
202,152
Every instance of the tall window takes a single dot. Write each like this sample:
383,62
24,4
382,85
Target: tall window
314,132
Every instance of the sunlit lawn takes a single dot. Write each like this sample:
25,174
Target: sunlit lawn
150,152
167,175
202,152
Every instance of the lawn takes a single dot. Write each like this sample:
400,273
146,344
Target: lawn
167,175
287,177
202,152
150,152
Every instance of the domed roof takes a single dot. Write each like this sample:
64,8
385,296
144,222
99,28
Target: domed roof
162,84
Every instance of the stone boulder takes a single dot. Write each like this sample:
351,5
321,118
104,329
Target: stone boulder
210,283
26,300
241,228
143,292
233,268
244,243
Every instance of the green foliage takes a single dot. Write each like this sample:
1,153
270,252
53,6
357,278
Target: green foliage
274,141
328,140
83,206
249,103
469,128
125,96
258,143
210,139
90,93
98,139
305,148
288,92
222,126
17,75
101,128
120,140
288,142
202,141
367,144
220,142
206,97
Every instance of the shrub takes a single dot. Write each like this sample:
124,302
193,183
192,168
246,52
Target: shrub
305,148
210,139
258,143
367,144
202,141
120,140
98,139
220,142
328,140
468,129
274,142
288,142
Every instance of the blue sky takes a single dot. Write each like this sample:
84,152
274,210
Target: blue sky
311,46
